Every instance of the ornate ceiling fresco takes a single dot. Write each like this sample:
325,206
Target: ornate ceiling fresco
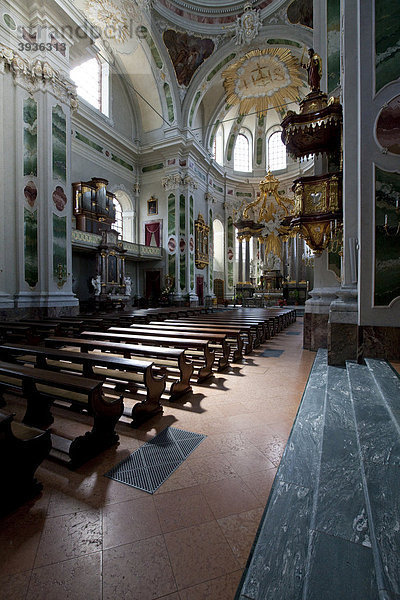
209,11
187,53
262,79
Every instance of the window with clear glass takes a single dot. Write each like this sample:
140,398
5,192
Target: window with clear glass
218,245
242,155
118,225
91,79
276,152
218,146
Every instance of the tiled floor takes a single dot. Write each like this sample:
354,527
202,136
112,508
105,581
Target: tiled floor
88,537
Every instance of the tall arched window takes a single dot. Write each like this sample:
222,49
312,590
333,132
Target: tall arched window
91,79
276,152
242,153
218,245
118,225
125,215
218,146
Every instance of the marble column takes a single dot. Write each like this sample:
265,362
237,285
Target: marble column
247,262
40,113
240,261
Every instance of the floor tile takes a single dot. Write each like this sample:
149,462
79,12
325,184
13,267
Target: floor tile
130,521
20,533
79,578
240,531
221,588
229,496
182,508
14,587
248,460
69,536
186,546
260,483
211,468
138,571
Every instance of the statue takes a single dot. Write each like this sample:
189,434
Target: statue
128,286
96,283
277,263
314,70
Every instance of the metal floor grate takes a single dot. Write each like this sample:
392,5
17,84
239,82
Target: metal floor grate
272,353
150,465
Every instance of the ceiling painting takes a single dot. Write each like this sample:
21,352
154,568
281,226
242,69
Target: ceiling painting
301,12
187,53
263,79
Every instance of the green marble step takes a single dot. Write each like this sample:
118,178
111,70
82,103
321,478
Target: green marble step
277,564
375,394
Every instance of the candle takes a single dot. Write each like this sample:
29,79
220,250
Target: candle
386,221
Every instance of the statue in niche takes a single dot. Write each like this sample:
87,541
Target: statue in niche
128,286
314,70
96,283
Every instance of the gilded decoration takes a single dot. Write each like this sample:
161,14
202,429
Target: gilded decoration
262,79
265,217
317,214
201,242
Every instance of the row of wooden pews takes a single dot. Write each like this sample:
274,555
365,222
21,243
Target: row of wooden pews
120,368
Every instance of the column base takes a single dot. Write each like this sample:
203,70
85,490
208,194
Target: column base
46,304
379,342
315,331
342,343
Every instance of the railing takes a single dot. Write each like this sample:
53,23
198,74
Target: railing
83,239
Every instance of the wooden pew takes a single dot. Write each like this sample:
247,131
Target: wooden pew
245,331
125,371
22,450
217,341
234,336
171,360
198,349
41,387
16,331
258,326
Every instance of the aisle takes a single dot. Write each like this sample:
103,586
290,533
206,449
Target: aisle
90,537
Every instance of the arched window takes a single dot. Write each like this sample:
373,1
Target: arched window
218,245
218,146
91,79
276,152
242,153
125,215
118,225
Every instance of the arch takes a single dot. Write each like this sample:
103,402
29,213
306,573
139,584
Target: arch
218,145
128,214
218,245
276,151
243,151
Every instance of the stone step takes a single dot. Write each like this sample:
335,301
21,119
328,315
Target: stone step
375,390
277,564
379,444
340,561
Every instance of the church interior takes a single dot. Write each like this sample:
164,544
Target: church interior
200,299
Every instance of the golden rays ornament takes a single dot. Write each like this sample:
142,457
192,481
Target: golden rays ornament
262,79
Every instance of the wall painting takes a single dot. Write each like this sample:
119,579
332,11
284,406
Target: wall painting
388,126
387,237
387,42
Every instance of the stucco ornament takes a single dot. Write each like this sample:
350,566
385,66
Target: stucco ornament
247,25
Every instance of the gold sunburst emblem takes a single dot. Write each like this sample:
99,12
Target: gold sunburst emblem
262,79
